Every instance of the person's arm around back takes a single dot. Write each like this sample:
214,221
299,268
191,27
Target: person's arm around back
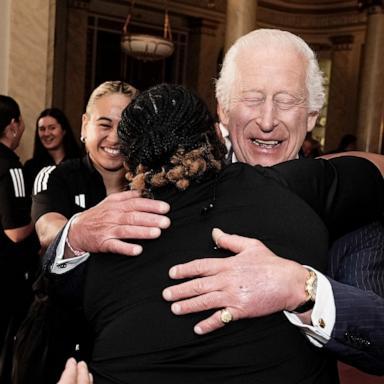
375,158
105,227
243,284
119,217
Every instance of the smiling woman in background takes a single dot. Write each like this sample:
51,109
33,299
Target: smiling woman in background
54,143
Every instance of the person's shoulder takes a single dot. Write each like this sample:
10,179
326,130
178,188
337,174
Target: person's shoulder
29,162
33,165
238,167
67,169
7,163
243,173
52,174
71,165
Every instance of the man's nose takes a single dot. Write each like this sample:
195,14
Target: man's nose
267,117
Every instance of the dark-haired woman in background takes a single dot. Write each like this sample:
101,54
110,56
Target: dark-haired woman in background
54,143
16,244
172,153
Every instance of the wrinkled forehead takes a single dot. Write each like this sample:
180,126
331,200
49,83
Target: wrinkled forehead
270,70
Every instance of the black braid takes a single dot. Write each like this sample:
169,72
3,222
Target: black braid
159,132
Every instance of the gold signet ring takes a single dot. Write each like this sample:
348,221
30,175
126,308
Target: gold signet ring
226,316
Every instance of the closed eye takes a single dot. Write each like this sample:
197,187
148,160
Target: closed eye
253,101
287,101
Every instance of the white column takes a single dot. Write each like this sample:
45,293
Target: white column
241,19
371,100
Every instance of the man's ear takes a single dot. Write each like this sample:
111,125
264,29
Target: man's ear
223,115
311,120
219,133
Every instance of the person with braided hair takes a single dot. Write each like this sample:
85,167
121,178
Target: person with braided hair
172,153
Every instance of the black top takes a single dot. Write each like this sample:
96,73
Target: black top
71,187
15,206
32,167
18,261
139,340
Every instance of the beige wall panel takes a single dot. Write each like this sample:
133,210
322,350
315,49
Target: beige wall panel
31,61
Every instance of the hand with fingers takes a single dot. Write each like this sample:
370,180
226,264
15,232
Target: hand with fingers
75,373
120,216
253,283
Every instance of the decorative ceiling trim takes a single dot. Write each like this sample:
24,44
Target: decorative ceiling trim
82,4
311,21
318,7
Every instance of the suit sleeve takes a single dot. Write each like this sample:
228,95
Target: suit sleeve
358,334
67,287
357,263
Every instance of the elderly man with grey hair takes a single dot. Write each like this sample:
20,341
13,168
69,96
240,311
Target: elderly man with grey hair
269,93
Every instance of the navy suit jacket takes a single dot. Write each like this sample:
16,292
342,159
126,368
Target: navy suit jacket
356,272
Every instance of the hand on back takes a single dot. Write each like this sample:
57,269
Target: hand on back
252,283
119,217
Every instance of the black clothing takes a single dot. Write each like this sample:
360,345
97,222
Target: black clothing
15,258
139,340
70,188
33,166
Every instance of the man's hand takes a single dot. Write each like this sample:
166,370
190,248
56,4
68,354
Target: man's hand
119,216
253,283
75,373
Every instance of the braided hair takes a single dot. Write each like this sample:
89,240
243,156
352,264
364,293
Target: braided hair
167,136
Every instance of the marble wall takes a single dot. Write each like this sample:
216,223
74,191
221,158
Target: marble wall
4,44
27,60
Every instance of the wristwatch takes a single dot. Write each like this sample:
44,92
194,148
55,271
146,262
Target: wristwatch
310,290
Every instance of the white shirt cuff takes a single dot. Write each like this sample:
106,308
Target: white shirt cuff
61,265
323,313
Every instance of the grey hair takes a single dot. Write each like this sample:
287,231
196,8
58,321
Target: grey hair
109,88
264,38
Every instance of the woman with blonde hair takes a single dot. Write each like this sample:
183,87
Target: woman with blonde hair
60,192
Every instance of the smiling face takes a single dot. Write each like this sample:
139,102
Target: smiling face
100,131
268,116
50,132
